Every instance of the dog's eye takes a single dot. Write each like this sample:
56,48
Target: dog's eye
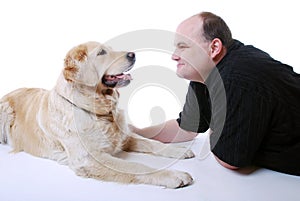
101,52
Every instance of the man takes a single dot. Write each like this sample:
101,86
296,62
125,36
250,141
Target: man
250,101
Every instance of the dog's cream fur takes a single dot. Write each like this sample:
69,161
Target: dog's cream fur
78,123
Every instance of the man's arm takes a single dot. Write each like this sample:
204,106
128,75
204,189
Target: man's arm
171,132
167,132
226,165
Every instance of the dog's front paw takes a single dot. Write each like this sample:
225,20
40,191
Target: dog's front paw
176,179
182,179
173,151
188,154
166,178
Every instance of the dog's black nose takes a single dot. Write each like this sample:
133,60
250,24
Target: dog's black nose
130,56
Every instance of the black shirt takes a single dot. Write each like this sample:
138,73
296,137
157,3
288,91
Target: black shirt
252,104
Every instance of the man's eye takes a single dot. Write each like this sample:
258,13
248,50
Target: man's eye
101,52
182,46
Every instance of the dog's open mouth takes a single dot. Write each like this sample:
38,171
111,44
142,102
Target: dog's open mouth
123,78
119,80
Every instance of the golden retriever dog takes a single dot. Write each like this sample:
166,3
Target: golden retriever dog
78,122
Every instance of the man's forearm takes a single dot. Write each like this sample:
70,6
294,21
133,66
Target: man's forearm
166,132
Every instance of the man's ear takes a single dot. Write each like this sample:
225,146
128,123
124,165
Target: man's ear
216,47
77,69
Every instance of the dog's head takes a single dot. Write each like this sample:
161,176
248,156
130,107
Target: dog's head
94,64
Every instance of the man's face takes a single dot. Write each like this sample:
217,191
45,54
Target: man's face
192,51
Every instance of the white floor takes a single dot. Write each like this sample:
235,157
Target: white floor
24,177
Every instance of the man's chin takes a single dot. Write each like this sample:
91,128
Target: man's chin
179,74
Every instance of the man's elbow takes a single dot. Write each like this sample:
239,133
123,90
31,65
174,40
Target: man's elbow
226,165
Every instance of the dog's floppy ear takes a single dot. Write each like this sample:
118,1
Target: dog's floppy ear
77,68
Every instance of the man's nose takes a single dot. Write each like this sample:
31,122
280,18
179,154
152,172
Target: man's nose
175,57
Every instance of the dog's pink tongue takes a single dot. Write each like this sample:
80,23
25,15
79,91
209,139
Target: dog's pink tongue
124,76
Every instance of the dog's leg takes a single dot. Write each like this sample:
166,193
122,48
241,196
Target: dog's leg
6,120
138,143
109,168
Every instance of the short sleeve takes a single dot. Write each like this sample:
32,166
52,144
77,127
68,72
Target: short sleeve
196,112
248,115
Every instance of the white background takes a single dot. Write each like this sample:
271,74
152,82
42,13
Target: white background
35,36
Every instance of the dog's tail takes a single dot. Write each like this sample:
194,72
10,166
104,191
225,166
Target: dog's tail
6,120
